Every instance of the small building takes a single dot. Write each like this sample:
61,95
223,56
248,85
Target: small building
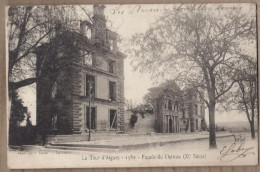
78,72
177,110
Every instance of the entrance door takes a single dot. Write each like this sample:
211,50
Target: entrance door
113,119
93,117
170,126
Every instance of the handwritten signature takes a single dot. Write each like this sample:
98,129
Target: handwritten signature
235,150
136,9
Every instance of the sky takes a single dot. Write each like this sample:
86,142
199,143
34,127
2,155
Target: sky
128,20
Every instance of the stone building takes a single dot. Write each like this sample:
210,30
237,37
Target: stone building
78,68
177,110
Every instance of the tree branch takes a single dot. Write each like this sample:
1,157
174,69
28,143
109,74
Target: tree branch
230,86
29,49
19,84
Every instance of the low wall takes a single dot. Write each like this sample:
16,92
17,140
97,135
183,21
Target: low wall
81,137
94,137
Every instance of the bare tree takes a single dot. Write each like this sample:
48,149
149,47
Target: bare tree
29,27
244,97
196,48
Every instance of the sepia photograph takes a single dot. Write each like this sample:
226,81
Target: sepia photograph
132,85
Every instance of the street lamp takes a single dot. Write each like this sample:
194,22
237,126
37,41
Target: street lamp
89,112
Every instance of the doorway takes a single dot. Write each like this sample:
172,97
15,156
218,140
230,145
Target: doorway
197,124
113,119
170,126
93,117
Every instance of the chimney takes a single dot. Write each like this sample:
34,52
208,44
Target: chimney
99,10
99,24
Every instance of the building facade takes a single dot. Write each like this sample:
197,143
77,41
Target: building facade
177,110
80,72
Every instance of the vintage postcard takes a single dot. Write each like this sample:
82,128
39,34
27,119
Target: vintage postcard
138,85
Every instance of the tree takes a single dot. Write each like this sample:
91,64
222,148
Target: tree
142,108
17,115
133,119
29,27
196,48
147,99
245,96
248,88
29,134
18,111
28,120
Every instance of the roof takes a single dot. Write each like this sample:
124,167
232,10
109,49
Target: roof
70,37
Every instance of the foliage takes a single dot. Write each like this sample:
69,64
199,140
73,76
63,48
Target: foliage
133,119
29,27
17,115
244,96
28,120
20,135
142,108
18,111
198,49
148,102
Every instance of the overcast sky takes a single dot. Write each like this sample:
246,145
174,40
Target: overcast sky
127,20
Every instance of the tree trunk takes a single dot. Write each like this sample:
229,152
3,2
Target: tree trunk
252,127
212,129
252,122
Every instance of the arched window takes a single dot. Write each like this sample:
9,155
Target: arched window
176,106
169,105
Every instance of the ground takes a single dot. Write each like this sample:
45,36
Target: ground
184,153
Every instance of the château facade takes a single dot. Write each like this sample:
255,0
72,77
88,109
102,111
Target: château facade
177,110
78,71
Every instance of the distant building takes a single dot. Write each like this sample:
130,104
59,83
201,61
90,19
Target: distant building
75,66
177,110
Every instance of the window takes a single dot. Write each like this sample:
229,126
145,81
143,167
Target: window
93,118
54,91
113,119
201,110
176,106
111,44
169,105
85,29
90,85
87,58
200,98
88,33
112,91
196,109
111,66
